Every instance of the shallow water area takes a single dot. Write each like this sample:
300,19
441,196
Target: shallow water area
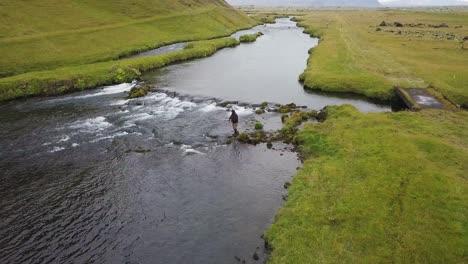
95,177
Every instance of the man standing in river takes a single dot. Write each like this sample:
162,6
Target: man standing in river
234,120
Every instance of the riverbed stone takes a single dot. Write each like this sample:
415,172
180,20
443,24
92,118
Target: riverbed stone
255,256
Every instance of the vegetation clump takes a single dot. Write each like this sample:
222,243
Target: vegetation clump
262,108
258,126
122,74
243,137
283,109
253,138
288,108
138,91
286,134
290,124
250,37
259,111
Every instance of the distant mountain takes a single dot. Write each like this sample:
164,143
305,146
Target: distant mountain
353,3
404,3
357,3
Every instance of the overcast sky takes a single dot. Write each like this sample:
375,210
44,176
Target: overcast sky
420,1
424,2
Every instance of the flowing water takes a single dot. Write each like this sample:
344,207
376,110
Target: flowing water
93,177
266,70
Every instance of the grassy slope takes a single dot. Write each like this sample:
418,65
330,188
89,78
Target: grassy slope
47,34
353,57
378,188
76,78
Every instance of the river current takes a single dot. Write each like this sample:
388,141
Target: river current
93,177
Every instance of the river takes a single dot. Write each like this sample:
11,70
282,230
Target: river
93,177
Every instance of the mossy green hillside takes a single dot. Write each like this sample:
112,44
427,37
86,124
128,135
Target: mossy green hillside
377,188
77,78
49,34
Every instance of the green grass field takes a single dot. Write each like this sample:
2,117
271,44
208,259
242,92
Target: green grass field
49,34
71,39
378,188
353,56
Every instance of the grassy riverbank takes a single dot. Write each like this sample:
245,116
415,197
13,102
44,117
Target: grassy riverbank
378,188
77,78
358,55
250,37
381,187
49,34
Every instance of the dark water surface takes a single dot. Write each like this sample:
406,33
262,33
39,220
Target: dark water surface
95,178
75,189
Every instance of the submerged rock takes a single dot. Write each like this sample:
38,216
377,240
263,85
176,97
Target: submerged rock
138,150
322,115
226,103
255,256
